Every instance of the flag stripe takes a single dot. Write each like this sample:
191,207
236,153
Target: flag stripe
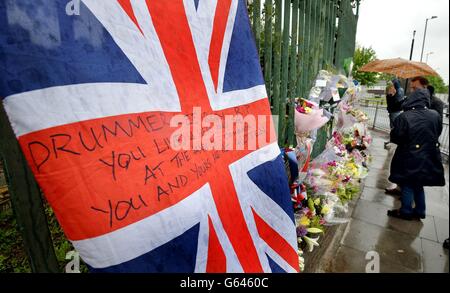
235,225
252,196
278,243
143,236
185,68
203,21
162,259
126,5
219,27
63,105
242,66
191,88
217,262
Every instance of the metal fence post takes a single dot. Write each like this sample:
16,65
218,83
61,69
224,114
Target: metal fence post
268,47
257,23
293,72
307,52
276,85
301,49
376,115
284,70
27,202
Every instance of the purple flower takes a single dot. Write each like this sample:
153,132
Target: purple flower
305,211
301,232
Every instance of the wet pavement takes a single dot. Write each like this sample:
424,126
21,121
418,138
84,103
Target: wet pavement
402,246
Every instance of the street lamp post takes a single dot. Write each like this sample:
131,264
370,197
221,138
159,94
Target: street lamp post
410,58
425,35
412,46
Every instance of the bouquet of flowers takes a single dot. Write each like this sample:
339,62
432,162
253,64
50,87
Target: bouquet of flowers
308,117
310,224
340,178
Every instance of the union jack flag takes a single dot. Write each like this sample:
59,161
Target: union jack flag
90,98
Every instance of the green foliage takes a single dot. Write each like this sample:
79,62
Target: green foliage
386,76
348,192
315,223
13,258
438,83
61,244
362,57
311,205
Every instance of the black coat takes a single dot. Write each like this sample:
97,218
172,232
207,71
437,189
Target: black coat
437,105
417,160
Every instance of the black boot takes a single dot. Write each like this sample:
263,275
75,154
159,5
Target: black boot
446,244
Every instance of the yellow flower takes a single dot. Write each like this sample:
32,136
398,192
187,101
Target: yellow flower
308,110
317,202
305,222
352,169
325,210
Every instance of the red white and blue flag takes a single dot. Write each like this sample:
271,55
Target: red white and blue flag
90,98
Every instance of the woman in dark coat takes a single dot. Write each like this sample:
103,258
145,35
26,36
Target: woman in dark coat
417,161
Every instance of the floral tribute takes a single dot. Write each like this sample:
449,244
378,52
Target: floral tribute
321,188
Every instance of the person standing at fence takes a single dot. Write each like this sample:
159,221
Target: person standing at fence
435,103
417,161
394,98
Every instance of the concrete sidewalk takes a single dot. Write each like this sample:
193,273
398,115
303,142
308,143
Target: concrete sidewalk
403,247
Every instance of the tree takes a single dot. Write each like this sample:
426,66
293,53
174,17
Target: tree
438,83
386,76
362,57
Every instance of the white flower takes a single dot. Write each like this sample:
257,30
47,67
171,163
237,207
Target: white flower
301,260
311,242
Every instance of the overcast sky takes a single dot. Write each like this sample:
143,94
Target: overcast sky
387,26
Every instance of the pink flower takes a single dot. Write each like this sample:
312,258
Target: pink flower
332,164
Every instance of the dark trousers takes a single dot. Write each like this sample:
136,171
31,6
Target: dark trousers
413,195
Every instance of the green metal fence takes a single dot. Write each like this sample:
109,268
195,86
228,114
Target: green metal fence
295,38
346,34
